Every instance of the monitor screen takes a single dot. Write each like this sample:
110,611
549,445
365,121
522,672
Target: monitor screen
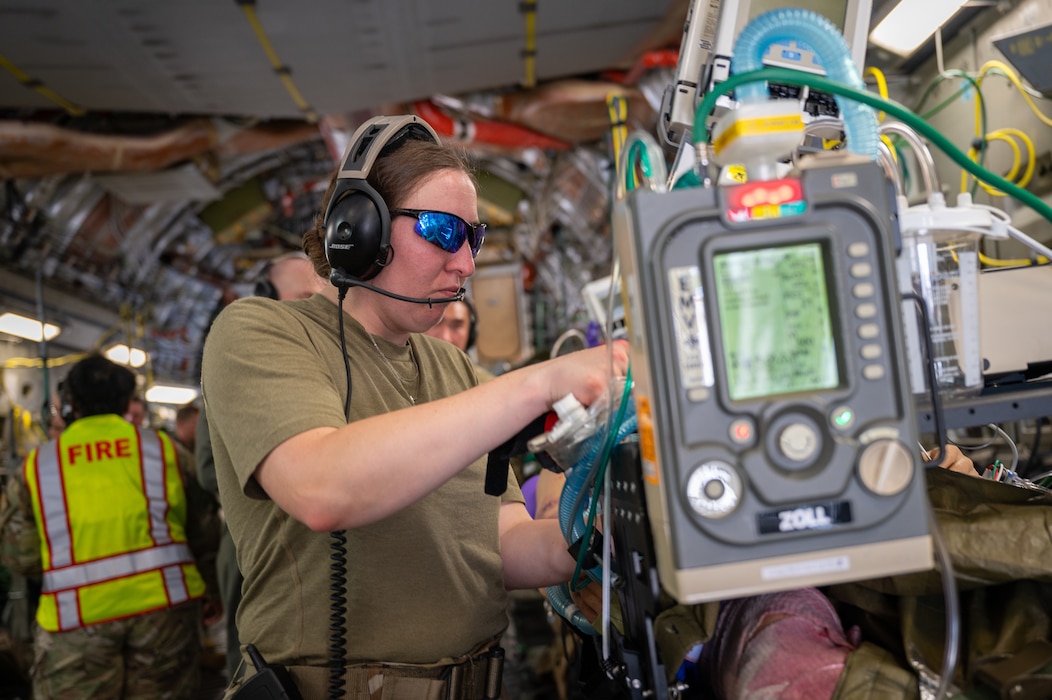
775,321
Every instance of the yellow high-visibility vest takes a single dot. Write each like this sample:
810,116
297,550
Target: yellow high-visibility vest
110,510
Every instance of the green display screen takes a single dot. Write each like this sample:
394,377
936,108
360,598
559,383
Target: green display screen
777,332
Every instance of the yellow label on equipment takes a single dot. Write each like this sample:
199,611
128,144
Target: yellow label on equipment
736,173
647,447
757,127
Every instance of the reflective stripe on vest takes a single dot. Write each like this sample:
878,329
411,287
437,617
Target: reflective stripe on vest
53,506
65,578
118,566
151,462
68,610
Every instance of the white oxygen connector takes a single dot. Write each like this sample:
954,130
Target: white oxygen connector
575,425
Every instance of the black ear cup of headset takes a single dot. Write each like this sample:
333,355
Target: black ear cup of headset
357,222
264,287
65,398
358,231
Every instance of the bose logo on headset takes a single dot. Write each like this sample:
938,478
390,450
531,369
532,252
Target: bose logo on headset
357,221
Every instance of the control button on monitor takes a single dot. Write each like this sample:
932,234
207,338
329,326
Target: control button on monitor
842,418
861,269
866,310
858,250
714,489
741,431
798,442
873,371
870,351
868,331
863,290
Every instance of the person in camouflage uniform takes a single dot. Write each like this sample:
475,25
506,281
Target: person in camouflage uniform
114,648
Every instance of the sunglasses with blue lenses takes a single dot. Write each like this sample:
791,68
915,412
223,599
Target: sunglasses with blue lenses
447,231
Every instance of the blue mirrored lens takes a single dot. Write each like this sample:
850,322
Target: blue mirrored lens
447,231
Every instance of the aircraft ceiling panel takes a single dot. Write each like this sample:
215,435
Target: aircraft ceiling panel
204,57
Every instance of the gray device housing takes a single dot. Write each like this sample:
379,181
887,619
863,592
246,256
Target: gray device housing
841,520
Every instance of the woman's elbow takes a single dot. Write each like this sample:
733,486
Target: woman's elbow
323,513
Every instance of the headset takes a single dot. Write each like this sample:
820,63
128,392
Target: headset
65,397
264,287
357,221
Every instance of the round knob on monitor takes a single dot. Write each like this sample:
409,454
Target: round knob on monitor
886,467
714,489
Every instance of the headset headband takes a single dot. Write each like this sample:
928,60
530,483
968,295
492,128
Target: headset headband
375,136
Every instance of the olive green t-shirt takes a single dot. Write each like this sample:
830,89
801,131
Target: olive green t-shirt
423,584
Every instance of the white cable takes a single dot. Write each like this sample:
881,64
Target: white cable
1011,444
572,333
1013,231
1029,242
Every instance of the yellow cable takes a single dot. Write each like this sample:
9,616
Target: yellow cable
882,86
891,147
1010,74
283,71
1007,134
973,153
617,109
529,54
1031,153
1018,262
40,88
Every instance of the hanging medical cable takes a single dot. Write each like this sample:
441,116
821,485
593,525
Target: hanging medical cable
1006,71
641,152
1008,135
980,104
617,111
882,86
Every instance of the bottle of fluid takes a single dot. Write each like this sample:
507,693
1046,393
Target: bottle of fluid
940,264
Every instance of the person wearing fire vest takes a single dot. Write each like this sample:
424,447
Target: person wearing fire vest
106,517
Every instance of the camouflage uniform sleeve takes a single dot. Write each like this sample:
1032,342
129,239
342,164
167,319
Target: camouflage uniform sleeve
19,540
203,526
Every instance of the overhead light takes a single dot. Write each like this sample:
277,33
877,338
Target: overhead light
166,393
123,355
911,23
27,328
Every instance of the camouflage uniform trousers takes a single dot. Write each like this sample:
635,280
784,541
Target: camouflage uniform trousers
152,656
